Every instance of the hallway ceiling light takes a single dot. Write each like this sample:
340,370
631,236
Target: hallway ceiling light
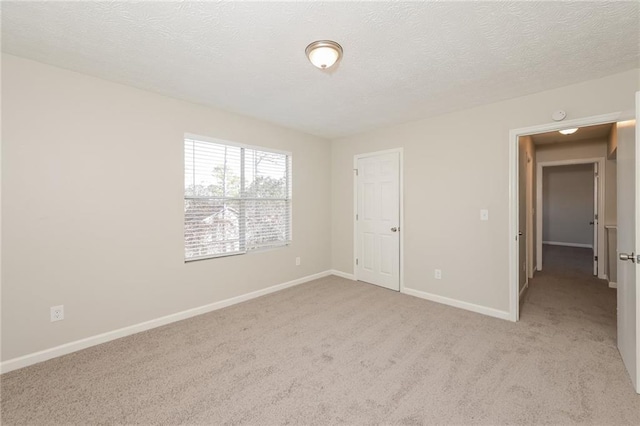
627,123
324,53
569,131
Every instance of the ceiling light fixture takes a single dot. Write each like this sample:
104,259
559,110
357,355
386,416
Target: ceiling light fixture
569,131
324,53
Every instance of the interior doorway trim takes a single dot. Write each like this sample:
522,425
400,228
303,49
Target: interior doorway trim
600,208
514,134
357,157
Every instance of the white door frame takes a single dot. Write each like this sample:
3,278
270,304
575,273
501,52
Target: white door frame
514,134
637,239
637,115
357,157
599,210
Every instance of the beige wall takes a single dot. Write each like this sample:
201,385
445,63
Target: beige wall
611,192
455,165
568,204
612,255
612,143
611,217
92,213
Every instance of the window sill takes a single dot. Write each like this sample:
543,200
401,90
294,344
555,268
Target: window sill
251,251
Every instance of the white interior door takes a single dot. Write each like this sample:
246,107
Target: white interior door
378,220
596,185
628,296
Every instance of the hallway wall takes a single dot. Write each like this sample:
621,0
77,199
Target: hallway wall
593,148
568,205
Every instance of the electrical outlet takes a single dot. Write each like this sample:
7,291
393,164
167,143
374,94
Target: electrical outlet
484,214
298,261
438,274
57,313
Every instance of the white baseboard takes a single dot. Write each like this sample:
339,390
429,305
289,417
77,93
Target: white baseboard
343,274
67,348
557,243
613,284
458,304
526,286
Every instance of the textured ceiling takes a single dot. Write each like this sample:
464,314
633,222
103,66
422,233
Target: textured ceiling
402,61
600,131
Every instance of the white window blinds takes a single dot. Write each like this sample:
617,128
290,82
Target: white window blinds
236,198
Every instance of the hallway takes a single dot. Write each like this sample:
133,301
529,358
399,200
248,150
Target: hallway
569,299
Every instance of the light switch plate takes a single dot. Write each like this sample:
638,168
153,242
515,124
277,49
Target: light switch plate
484,214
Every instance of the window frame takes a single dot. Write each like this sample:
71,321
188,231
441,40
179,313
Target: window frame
242,226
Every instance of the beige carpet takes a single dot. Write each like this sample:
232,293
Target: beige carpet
335,351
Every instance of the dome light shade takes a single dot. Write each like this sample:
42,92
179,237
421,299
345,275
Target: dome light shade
324,53
569,131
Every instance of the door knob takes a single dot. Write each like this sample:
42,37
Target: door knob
625,256
394,229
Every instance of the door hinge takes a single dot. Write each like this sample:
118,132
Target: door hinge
356,261
596,216
356,216
356,170
595,258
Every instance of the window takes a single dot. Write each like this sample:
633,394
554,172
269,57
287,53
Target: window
236,198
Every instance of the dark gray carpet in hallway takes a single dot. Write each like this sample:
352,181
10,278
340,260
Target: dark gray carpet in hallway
566,295
335,351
